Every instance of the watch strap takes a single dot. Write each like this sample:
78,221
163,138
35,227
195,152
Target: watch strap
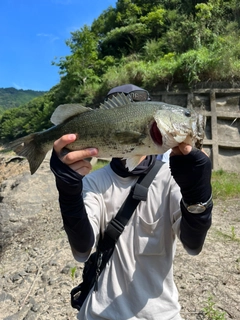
198,207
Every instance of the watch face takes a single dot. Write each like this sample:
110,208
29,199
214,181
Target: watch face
196,208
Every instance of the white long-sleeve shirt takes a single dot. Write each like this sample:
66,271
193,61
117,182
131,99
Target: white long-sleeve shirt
137,282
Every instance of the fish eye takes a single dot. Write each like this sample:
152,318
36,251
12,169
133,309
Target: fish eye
187,113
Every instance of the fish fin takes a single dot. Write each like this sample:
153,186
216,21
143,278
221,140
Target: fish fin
128,137
28,148
133,162
66,111
180,138
119,100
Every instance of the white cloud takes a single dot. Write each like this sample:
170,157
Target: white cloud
50,36
44,35
65,2
18,87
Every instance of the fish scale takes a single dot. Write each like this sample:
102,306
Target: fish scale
119,128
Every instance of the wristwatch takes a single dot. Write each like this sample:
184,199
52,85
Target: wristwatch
199,207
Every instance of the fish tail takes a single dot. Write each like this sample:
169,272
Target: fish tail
29,148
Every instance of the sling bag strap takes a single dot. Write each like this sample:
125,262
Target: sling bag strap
98,260
138,193
116,226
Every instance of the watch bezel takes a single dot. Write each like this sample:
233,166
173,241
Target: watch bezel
197,207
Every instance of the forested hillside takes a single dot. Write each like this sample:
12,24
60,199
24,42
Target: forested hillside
11,97
147,43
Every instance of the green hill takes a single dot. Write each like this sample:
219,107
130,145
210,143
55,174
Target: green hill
12,98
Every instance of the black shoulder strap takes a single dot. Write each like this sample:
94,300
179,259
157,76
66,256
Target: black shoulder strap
114,229
138,193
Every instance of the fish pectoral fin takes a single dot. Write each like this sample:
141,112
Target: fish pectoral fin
66,111
133,162
179,139
128,137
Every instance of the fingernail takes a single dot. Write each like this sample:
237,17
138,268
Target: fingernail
93,151
71,136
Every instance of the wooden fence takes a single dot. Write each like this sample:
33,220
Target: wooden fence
222,110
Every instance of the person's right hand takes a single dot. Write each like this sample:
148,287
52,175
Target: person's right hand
76,160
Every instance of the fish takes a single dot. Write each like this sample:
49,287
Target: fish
118,128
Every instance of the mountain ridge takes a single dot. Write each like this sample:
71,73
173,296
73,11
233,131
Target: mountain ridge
12,98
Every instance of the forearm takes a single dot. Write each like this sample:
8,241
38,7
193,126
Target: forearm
192,172
193,229
75,219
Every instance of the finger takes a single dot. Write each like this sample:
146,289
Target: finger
63,141
204,152
185,148
83,167
175,152
75,156
181,149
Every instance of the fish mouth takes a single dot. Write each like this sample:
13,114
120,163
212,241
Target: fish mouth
156,134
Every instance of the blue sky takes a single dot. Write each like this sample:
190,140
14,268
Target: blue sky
33,33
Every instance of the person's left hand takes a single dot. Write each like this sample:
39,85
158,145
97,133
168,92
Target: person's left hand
181,149
191,169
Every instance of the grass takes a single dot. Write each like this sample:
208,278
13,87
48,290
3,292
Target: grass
100,164
73,272
225,184
228,237
211,312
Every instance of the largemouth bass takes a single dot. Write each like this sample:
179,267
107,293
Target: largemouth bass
119,128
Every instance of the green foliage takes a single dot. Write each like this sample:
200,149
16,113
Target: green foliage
100,164
73,272
12,98
148,43
211,312
32,117
155,21
104,23
225,184
195,63
152,50
125,40
228,236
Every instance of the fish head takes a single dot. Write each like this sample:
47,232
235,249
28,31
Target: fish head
173,125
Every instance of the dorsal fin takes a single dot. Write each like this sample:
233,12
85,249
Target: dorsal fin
119,100
66,111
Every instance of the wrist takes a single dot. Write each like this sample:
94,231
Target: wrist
68,181
197,207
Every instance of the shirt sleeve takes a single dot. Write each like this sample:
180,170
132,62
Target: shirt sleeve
190,228
192,173
74,215
194,228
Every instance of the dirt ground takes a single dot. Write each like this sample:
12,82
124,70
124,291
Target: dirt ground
37,275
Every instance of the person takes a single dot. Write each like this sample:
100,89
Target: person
165,156
137,282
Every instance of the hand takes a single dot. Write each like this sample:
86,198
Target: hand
191,169
76,160
183,149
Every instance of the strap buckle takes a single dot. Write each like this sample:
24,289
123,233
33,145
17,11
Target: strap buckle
140,192
114,229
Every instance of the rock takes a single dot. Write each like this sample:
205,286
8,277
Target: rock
4,296
23,198
36,260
